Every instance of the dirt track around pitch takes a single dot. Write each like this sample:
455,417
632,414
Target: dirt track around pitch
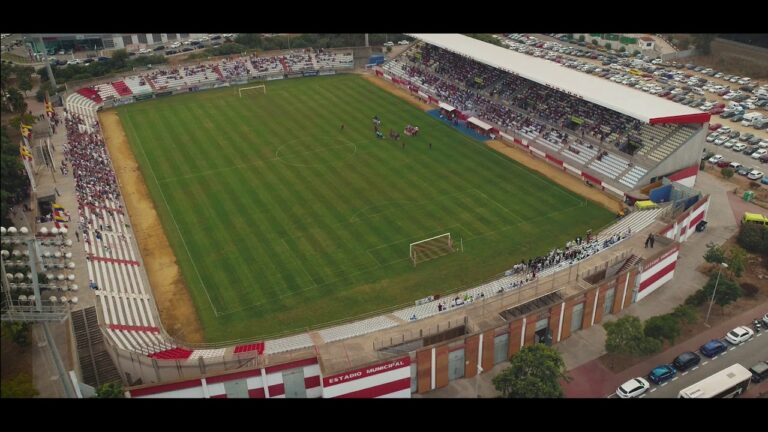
397,91
556,175
177,312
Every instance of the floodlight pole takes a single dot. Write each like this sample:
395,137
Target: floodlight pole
712,300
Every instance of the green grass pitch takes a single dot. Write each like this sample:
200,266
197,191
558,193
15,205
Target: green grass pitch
282,221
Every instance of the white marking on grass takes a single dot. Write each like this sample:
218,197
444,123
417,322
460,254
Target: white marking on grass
184,242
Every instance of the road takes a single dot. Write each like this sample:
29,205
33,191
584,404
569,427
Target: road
747,354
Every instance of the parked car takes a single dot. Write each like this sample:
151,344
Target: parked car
723,163
759,372
403,42
739,334
715,159
746,136
662,373
389,44
755,175
743,171
739,147
759,152
764,159
735,165
633,388
715,126
686,361
713,348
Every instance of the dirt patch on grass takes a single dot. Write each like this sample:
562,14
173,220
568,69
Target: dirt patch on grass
177,312
397,91
556,175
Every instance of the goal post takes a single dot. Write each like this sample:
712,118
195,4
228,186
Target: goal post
431,248
256,87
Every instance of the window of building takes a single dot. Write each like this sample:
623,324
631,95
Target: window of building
142,38
456,364
577,317
500,348
156,38
610,296
171,36
127,40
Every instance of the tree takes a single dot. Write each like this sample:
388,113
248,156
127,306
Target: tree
715,254
703,42
753,238
110,391
594,42
534,372
625,336
21,386
685,314
582,38
15,100
119,58
5,75
663,327
13,178
727,172
569,36
736,260
683,44
728,291
24,82
19,332
622,49
608,45
635,52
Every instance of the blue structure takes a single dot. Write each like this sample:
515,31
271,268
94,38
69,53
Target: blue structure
376,59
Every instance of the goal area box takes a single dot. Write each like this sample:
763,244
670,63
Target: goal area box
431,248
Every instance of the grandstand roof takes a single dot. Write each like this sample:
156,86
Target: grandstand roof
629,101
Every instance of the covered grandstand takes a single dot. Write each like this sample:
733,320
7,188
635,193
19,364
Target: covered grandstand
616,137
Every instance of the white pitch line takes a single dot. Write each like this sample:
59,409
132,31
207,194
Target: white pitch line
138,141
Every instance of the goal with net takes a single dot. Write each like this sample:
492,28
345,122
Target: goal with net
261,87
431,248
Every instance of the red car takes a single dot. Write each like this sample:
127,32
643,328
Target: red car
724,164
716,110
715,126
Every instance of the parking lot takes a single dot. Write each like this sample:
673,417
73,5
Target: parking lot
723,95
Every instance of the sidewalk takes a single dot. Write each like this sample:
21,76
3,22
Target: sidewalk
595,380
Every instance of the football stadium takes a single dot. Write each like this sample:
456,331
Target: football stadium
334,223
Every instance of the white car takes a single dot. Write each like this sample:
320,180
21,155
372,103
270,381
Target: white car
739,147
389,44
735,165
175,44
403,42
739,334
632,388
715,159
758,153
755,175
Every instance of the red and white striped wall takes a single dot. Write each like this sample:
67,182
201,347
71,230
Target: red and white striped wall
213,386
657,272
684,225
391,379
686,176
